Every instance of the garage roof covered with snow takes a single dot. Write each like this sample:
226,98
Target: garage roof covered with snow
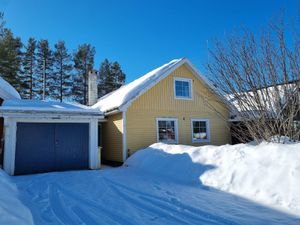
28,106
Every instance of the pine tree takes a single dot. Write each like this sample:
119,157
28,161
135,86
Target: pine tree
119,76
2,24
10,55
44,69
28,69
83,63
62,71
105,78
111,77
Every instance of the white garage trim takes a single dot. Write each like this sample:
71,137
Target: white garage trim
10,130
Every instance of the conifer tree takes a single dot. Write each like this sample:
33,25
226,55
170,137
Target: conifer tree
111,77
105,78
27,76
62,72
119,76
83,63
44,69
10,55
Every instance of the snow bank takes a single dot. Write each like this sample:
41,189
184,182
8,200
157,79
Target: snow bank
268,173
12,211
7,91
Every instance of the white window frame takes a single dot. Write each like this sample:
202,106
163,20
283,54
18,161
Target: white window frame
207,140
176,129
190,81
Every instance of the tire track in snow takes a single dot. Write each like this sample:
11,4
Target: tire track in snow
149,209
168,207
59,210
101,211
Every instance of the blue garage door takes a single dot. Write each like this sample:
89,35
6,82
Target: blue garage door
46,147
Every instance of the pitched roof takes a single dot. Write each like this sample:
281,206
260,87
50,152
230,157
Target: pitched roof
7,91
252,103
121,98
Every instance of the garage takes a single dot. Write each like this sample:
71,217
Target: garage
46,147
46,136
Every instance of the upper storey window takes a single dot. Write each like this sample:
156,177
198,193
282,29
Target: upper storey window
183,88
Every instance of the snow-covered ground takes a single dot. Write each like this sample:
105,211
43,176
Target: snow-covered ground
170,184
12,211
268,173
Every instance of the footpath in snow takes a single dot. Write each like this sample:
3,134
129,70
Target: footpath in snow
167,184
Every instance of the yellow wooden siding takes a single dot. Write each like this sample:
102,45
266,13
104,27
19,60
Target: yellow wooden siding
159,101
112,131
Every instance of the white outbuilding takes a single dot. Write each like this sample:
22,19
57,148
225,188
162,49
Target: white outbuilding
45,136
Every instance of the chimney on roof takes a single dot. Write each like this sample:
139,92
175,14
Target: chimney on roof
92,88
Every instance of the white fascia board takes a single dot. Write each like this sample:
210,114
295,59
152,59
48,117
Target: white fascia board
48,115
196,73
163,76
115,111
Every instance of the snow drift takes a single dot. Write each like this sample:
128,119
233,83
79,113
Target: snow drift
12,211
268,173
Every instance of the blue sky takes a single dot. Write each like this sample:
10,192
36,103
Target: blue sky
140,34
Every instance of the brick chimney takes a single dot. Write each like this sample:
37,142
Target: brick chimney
92,88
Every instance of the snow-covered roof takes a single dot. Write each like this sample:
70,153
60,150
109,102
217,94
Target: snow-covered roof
21,105
7,91
121,98
264,99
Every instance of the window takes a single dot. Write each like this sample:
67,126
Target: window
182,88
167,130
200,130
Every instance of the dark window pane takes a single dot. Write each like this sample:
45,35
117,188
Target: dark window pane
202,129
161,123
196,130
203,124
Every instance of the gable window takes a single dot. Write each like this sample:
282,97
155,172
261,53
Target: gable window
182,88
200,130
167,131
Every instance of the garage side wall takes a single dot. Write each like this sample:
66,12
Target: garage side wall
112,134
159,101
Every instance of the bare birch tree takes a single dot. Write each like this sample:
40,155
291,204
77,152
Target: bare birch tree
260,76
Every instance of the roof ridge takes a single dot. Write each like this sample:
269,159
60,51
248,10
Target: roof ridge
129,91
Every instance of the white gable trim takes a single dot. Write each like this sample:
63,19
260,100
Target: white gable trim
163,76
185,61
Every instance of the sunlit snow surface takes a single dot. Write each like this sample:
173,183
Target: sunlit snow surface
173,184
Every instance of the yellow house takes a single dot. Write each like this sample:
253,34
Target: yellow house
173,104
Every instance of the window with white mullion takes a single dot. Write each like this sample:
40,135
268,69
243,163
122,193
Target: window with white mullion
167,130
200,130
183,88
